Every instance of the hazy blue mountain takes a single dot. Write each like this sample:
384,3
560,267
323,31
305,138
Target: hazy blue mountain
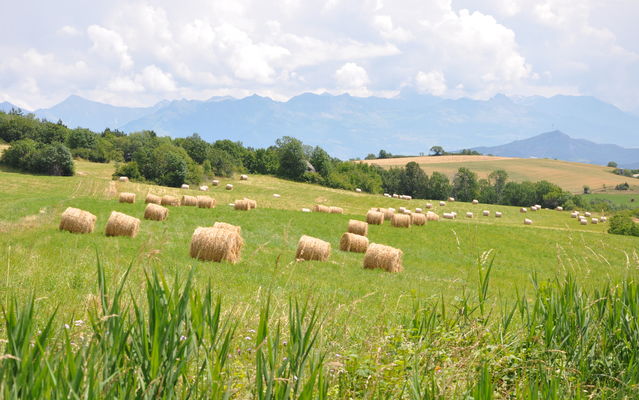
77,111
557,144
5,106
349,126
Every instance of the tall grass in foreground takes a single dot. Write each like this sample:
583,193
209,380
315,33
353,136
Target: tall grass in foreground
177,342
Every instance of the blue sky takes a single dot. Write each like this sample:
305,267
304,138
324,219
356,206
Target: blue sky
137,53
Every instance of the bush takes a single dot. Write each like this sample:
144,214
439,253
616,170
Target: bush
622,186
30,156
623,225
129,170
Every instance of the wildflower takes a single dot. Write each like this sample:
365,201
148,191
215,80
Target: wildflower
66,326
78,322
182,338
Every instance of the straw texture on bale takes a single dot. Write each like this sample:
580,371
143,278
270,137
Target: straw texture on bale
189,201
431,216
75,220
227,226
155,212
310,248
354,243
388,213
126,197
375,217
216,244
229,186
400,221
122,225
244,177
168,200
123,179
418,219
358,227
383,257
242,205
185,186
336,210
151,198
321,208
215,182
205,202
252,203
527,221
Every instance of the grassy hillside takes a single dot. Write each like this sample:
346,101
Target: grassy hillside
440,259
570,176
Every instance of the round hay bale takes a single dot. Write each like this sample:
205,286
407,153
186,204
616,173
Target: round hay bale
216,244
204,188
190,201
384,257
229,186
388,213
123,179
587,214
358,227
75,220
306,210
375,217
533,208
336,210
155,212
603,219
151,198
395,196
523,210
498,214
475,201
448,215
469,215
235,228
418,219
358,190
574,214
122,225
215,182
205,202
429,205
126,197
402,209
244,177
354,243
595,220
310,248
431,216
583,221
486,213
442,203
168,200
451,199
559,208
527,221
184,186
252,203
418,210
242,205
400,221
321,208
454,214
277,196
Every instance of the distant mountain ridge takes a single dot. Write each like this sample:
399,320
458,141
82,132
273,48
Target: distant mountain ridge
558,145
349,126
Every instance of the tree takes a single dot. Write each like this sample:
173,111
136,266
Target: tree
321,161
266,161
438,186
586,189
370,156
465,185
612,164
195,146
293,161
54,159
437,150
414,181
498,179
384,154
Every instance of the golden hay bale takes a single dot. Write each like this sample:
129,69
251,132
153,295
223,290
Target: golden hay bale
595,220
185,186
523,210
189,201
358,190
310,248
583,221
574,214
498,214
587,214
168,200
388,213
431,216
306,210
418,210
205,202
252,203
277,196
122,225
224,225
353,242
216,244
527,221
215,182
244,177
469,215
384,257
486,213
229,186
75,220
429,205
442,203
242,205
449,215
204,188
559,208
151,198
451,199
358,227
126,197
123,179
400,221
375,217
155,212
336,210
418,219
321,208
475,201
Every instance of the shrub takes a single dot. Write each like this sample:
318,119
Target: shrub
623,225
30,156
129,170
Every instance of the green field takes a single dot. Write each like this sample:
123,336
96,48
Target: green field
570,176
440,259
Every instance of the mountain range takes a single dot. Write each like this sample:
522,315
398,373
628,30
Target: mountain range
558,145
348,126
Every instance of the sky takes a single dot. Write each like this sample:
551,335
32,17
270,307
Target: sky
136,53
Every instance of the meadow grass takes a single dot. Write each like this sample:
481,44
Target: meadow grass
360,307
